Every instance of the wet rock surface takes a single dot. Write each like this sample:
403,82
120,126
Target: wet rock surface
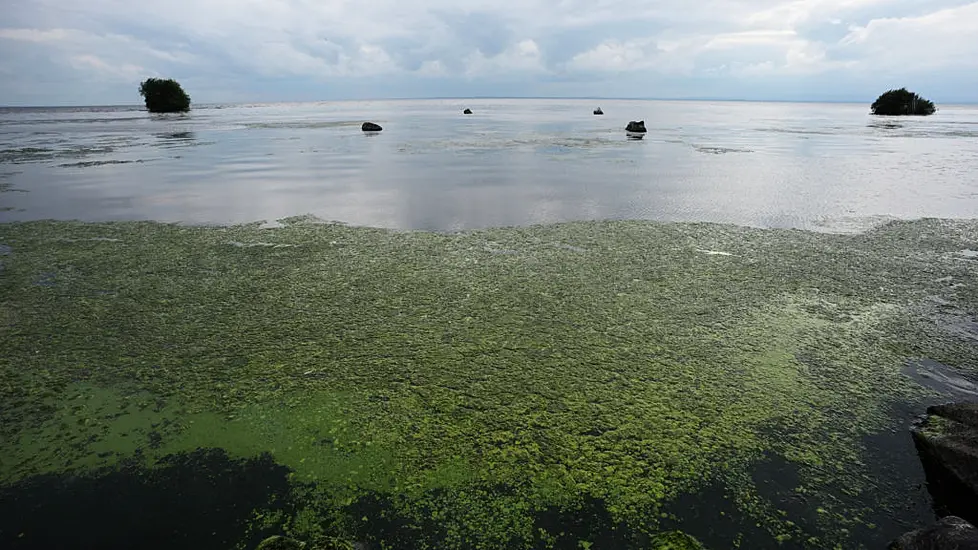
951,533
947,442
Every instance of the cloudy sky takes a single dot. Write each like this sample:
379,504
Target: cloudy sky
55,52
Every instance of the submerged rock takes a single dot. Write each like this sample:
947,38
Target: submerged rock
371,127
947,442
598,111
951,533
280,543
467,112
636,127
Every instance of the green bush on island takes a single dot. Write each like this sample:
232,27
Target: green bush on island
902,102
164,96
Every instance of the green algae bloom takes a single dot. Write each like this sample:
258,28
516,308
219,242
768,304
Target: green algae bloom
551,386
280,543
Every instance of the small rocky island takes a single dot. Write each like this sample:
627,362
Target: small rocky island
164,95
902,102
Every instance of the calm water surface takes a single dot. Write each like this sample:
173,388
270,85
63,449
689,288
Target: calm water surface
814,166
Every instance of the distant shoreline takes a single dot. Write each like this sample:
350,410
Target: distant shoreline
477,98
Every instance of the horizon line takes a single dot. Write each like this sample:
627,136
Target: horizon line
461,98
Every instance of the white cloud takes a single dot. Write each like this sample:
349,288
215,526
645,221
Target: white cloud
944,38
738,53
614,55
522,57
36,35
126,72
788,15
735,40
432,68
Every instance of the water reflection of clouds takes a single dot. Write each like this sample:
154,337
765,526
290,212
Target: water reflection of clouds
429,170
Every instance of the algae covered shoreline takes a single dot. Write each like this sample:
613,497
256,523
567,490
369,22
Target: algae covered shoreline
592,384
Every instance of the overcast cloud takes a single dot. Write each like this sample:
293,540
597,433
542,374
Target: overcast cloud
56,52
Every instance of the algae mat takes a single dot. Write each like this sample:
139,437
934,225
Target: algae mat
594,384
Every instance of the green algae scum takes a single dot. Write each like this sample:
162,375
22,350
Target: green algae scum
582,385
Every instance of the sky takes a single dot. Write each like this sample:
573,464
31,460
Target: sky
95,52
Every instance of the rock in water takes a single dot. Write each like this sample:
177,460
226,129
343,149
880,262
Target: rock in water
951,533
947,443
280,543
371,127
636,127
598,111
467,112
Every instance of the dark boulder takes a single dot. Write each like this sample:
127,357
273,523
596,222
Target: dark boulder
598,111
947,443
371,127
467,112
636,127
951,533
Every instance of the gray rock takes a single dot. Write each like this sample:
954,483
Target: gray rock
598,111
947,443
636,127
467,112
371,127
951,533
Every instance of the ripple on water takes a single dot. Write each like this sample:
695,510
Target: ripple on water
90,163
941,378
721,150
302,125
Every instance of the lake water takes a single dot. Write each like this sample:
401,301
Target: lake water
757,385
513,162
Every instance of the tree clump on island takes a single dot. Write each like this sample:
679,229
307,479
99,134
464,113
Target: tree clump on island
164,96
902,102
